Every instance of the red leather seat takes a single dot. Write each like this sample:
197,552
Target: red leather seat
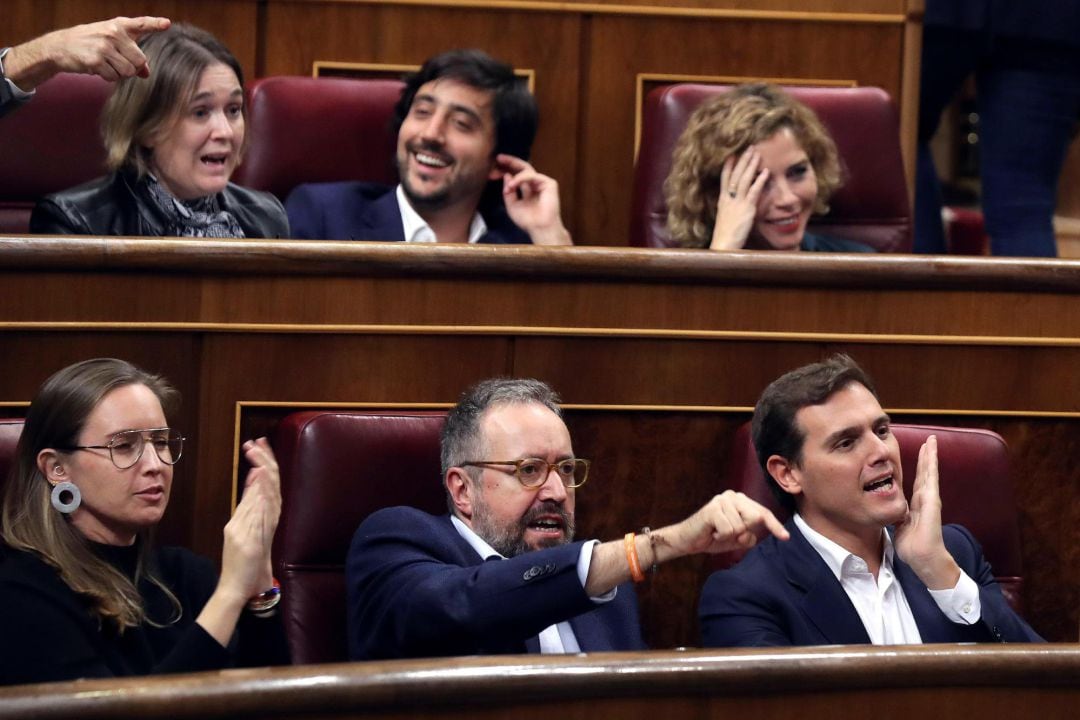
872,206
10,430
52,143
303,130
973,465
336,469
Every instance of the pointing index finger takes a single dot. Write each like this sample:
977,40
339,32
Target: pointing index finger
138,27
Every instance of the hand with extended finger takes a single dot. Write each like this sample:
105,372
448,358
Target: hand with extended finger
108,48
741,182
532,201
918,540
729,521
249,534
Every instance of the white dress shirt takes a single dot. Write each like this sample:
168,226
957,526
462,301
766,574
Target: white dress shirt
418,231
880,602
557,638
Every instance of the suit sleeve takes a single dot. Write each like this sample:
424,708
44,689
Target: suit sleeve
410,593
734,612
998,617
305,211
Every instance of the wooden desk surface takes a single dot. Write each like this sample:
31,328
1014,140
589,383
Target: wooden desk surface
898,682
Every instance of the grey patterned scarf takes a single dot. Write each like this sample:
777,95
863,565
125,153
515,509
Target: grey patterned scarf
202,217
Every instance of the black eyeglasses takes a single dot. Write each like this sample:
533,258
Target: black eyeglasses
533,472
126,447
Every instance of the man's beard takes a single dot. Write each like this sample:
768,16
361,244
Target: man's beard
434,201
509,540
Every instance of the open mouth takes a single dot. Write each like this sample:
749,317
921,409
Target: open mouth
547,525
881,485
215,159
431,160
784,224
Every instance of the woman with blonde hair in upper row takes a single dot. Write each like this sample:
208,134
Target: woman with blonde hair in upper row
173,141
751,167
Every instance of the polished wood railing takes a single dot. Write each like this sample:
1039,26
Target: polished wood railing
985,682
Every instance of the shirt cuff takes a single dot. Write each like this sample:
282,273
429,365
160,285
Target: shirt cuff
960,604
16,92
583,563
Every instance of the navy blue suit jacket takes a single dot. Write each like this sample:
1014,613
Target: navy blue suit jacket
416,588
369,211
783,593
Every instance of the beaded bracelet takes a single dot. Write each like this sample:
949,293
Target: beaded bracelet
652,546
265,603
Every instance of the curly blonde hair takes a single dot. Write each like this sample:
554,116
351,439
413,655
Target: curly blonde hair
727,125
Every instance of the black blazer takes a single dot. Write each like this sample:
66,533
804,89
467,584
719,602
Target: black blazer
110,206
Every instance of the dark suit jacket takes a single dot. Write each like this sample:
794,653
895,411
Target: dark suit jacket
368,211
783,593
416,588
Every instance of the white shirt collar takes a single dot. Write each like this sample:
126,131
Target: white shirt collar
475,541
835,556
417,229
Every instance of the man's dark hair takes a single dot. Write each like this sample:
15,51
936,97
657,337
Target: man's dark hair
513,106
774,428
461,438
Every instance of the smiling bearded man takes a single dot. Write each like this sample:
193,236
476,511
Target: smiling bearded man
464,128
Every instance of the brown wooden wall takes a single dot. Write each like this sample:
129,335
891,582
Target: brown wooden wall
591,59
658,354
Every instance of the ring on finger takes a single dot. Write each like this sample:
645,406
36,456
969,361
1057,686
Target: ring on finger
731,192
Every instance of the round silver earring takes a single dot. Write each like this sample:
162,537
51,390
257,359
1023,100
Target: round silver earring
72,491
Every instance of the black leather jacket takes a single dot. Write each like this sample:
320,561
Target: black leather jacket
110,206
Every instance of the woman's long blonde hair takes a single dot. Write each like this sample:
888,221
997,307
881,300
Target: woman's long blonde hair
727,125
29,522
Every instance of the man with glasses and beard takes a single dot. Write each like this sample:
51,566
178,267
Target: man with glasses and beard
421,585
464,125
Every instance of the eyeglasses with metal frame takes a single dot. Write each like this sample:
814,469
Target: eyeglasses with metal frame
533,472
126,447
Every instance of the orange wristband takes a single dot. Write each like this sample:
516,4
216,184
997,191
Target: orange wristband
632,558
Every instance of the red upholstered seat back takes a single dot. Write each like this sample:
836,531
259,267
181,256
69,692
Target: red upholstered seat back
872,206
50,144
10,429
303,130
975,490
336,469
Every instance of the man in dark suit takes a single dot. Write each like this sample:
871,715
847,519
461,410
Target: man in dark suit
464,126
862,566
502,572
